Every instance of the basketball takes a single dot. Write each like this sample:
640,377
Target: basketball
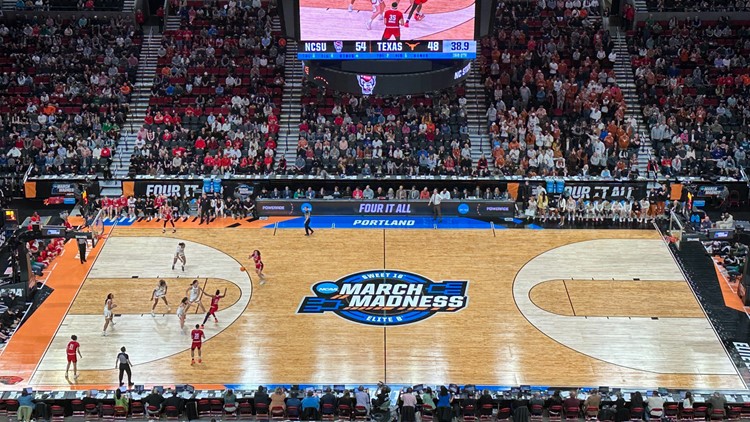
242,268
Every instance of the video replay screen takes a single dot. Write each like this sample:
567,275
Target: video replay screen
388,20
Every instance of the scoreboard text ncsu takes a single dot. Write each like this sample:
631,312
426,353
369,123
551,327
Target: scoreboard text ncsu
352,50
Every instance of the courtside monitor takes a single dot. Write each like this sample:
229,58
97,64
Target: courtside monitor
391,30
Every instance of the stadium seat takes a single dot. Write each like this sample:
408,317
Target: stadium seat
700,413
92,412
328,412
217,408
172,413
108,412
504,414
555,413
121,413
717,415
277,413
57,413
360,413
427,414
78,409
11,409
571,413
537,412
244,410
153,412
137,411
671,411
485,413
204,408
733,414
468,414
292,413
261,411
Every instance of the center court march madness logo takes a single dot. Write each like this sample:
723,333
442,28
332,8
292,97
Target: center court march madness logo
385,297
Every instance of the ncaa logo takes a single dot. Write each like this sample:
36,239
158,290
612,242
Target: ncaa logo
385,298
463,208
338,45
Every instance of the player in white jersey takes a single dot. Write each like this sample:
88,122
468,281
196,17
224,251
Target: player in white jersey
645,205
606,210
531,208
570,209
194,293
182,309
179,255
617,211
109,306
598,209
627,210
378,8
131,208
160,292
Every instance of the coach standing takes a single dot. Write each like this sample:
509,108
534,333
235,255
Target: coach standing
308,229
435,200
205,209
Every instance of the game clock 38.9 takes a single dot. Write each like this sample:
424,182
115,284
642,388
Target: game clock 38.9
358,50
458,46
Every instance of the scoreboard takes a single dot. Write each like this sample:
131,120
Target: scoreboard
388,50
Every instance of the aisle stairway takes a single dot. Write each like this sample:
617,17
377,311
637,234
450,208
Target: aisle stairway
138,101
626,81
291,105
476,110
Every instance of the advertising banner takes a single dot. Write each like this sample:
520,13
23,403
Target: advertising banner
277,207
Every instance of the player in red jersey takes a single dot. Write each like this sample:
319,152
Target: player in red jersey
214,306
197,336
107,207
166,213
393,20
122,205
258,266
416,5
159,202
74,352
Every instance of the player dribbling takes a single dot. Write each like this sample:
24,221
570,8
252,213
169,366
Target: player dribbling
160,292
258,266
74,352
214,306
109,305
179,255
197,336
416,5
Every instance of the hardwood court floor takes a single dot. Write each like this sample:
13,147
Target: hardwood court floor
502,337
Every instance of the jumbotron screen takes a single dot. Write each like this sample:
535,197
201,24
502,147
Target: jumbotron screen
387,29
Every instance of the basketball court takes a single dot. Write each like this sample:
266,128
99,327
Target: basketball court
542,307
